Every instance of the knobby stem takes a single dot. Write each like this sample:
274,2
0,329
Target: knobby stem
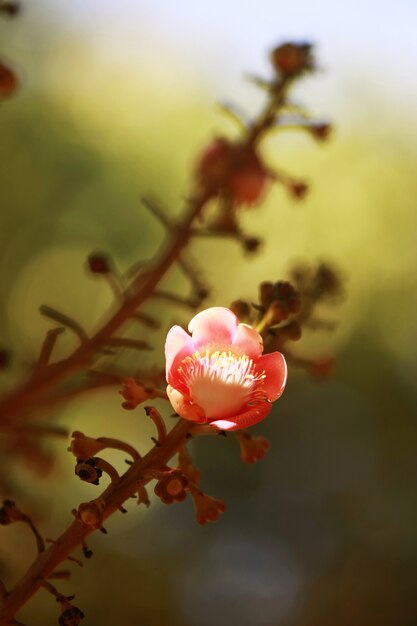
75,535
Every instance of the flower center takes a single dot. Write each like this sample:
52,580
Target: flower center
222,383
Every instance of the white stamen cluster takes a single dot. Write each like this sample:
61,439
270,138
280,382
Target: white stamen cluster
222,381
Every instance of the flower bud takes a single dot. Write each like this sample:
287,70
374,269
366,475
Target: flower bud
99,263
292,59
84,447
91,513
241,309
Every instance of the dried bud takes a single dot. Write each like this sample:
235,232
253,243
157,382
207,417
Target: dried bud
251,448
9,513
84,447
292,59
99,263
8,81
241,309
207,508
321,130
133,394
172,487
71,616
252,244
88,471
298,189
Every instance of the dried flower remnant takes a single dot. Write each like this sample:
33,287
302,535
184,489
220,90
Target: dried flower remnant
252,449
133,394
207,508
219,375
171,487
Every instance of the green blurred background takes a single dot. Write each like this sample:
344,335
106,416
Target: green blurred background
115,101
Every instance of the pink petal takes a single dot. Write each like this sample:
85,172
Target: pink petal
244,420
215,325
249,341
275,368
183,407
178,345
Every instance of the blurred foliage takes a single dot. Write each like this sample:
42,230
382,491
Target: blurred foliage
323,530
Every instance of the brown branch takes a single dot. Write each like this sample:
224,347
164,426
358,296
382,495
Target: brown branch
112,498
33,391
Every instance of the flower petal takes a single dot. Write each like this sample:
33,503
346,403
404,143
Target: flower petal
244,420
183,407
275,369
178,345
215,325
249,341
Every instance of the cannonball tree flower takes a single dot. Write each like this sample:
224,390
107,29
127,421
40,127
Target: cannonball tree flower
218,375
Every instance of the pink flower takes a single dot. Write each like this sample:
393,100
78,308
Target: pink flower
219,375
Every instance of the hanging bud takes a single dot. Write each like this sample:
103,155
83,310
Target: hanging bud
252,244
248,180
214,163
9,513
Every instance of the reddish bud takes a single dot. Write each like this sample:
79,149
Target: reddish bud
292,59
298,190
247,184
8,81
321,131
99,263
172,487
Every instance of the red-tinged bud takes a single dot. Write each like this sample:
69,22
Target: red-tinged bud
8,81
252,244
248,183
298,190
99,263
252,449
292,59
321,130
